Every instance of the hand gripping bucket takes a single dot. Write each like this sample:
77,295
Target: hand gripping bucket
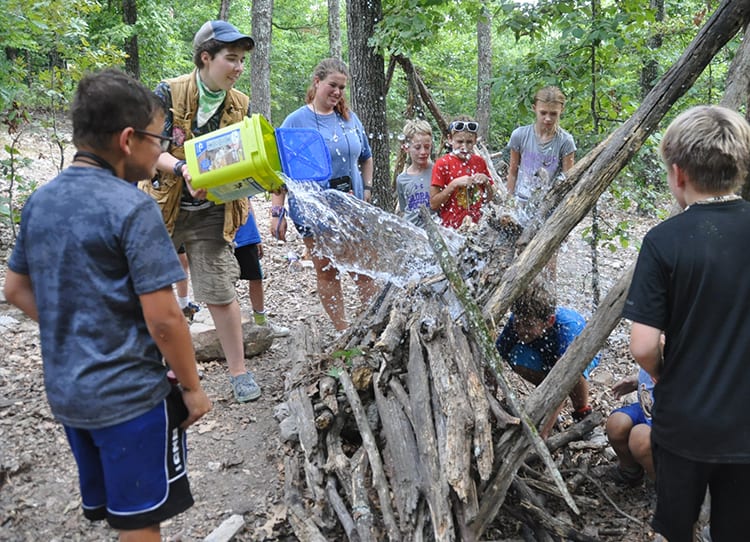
248,157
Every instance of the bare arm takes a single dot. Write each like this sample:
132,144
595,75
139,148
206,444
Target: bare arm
626,385
169,329
568,161
18,292
278,227
646,347
515,160
366,168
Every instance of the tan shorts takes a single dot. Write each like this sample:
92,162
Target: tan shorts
213,267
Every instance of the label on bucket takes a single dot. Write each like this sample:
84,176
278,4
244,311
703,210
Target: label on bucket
235,190
219,151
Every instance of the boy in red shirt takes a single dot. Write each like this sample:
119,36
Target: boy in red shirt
460,180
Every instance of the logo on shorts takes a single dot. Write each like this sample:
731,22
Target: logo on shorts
176,449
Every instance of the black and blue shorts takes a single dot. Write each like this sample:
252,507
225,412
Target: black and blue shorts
134,474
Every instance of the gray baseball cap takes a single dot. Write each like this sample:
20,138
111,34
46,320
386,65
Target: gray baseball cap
220,31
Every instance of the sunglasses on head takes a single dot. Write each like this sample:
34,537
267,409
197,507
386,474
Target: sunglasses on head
463,126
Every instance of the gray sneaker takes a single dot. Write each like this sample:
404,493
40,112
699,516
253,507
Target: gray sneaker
278,331
244,387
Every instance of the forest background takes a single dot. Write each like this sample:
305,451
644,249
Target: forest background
428,58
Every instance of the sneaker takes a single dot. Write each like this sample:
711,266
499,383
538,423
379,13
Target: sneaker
189,310
261,319
626,477
244,387
581,413
278,331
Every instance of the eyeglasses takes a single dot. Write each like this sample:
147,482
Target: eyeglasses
463,126
164,141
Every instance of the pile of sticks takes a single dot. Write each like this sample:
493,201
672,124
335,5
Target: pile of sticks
409,429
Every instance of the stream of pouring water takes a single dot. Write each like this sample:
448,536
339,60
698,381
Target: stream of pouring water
362,238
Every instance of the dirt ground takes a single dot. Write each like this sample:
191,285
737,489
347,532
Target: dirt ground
235,452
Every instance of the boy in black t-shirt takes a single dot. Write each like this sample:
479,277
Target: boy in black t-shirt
688,283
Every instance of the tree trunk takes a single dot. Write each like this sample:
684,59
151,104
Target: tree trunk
260,71
130,17
738,77
367,69
650,69
484,71
334,28
224,10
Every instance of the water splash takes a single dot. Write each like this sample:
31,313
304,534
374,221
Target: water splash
362,238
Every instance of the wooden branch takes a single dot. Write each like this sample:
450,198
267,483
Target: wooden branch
499,186
403,398
304,344
370,444
424,93
362,513
337,503
401,448
558,527
389,73
494,494
432,480
481,335
528,495
390,340
502,418
453,407
302,410
337,461
302,524
483,448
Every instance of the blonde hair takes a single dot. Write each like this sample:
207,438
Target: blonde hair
550,94
326,67
711,144
414,127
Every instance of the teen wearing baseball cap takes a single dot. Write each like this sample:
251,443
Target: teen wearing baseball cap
198,103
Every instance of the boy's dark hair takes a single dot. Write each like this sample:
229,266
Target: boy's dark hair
711,144
536,302
212,47
108,101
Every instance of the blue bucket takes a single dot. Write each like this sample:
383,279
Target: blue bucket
304,154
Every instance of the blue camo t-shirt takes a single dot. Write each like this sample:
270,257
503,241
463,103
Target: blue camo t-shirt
542,353
91,244
248,233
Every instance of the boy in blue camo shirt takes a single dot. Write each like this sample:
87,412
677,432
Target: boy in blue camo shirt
536,336
98,279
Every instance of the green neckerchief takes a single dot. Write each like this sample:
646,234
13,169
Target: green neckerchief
208,101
